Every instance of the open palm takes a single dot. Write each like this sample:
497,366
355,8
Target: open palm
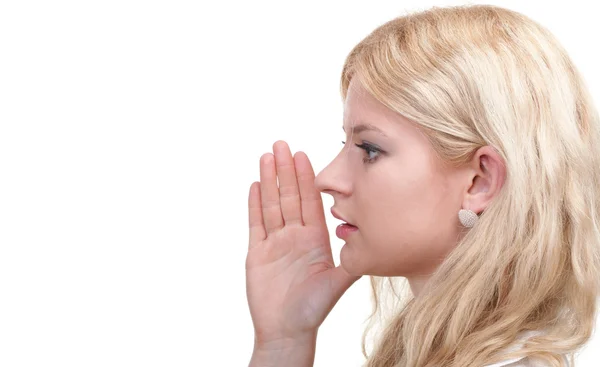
292,282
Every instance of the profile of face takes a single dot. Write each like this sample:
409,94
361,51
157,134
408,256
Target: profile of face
388,182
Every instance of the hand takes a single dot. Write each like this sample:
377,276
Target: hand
292,282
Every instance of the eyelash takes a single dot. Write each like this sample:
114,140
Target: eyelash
368,148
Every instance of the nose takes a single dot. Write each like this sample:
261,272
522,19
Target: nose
334,179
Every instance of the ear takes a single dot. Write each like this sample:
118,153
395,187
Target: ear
487,173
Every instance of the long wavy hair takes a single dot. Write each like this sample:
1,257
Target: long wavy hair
471,76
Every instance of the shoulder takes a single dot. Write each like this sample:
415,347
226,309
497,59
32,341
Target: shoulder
516,362
524,362
529,362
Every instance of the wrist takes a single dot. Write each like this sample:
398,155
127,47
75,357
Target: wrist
287,342
298,351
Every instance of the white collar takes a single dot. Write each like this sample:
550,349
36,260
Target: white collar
504,363
518,345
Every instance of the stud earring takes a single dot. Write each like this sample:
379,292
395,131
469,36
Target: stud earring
467,217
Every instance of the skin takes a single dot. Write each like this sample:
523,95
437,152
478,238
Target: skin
403,200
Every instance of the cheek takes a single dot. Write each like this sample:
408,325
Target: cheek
399,199
408,223
393,211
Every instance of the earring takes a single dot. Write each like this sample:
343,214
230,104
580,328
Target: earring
467,217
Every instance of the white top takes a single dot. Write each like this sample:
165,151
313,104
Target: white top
521,361
515,362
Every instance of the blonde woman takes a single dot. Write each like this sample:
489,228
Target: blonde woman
471,168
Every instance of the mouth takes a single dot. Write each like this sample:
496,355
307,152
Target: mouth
345,229
338,216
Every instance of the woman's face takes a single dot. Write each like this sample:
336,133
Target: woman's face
395,190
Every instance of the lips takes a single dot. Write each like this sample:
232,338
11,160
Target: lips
338,216
344,230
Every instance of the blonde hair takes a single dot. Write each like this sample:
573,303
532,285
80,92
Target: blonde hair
471,76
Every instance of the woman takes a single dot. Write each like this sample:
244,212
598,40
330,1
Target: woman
471,168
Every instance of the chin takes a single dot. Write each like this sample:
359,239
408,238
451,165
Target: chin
349,263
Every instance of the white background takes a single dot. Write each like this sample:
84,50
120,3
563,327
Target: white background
130,132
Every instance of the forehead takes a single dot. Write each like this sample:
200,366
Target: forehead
358,98
361,107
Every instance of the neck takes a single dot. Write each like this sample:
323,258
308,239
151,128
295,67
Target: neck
417,282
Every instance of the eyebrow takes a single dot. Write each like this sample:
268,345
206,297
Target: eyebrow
357,129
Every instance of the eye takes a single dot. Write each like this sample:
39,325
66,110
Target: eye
373,152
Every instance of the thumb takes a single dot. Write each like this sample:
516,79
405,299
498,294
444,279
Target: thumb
341,280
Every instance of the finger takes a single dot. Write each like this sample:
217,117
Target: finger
255,218
310,197
289,196
341,280
269,194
